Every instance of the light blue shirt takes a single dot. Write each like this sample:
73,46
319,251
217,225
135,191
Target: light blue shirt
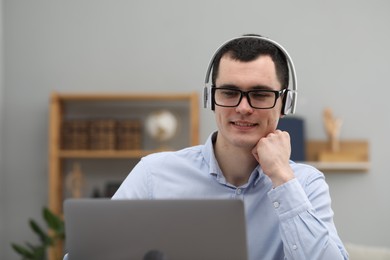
291,221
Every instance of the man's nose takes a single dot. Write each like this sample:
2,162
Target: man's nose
244,107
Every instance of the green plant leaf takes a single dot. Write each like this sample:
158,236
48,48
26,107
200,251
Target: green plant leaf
32,247
45,239
40,253
23,251
54,222
32,252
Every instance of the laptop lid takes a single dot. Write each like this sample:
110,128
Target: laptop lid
155,229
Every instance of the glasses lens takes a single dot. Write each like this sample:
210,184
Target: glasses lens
227,97
262,99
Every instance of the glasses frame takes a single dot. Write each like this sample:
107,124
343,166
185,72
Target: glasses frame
278,94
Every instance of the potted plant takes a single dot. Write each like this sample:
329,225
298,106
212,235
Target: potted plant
54,234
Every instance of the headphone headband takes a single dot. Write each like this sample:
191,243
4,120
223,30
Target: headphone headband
290,100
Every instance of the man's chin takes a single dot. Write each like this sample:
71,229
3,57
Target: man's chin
245,143
241,141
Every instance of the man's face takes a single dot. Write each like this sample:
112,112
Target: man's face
243,126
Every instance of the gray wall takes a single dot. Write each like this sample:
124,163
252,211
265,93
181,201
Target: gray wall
2,174
340,49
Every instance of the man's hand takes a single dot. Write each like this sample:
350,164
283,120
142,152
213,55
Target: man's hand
273,154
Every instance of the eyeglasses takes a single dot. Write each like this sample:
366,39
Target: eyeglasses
258,99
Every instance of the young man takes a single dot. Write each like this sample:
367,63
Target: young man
287,205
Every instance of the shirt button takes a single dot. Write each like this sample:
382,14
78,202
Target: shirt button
295,247
238,191
276,204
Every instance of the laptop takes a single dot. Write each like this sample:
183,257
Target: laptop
155,229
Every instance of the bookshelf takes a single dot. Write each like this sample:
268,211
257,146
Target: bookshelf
66,108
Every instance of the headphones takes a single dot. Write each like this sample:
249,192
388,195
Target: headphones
290,96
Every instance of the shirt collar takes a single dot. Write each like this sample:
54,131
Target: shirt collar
209,156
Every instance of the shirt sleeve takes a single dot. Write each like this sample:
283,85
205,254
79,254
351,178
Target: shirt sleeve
306,220
137,184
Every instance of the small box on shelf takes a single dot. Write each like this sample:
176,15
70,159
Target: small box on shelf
101,134
75,135
128,134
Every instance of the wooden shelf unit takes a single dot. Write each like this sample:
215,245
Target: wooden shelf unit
59,105
352,157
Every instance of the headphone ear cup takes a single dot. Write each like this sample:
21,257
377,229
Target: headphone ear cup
212,103
287,102
208,98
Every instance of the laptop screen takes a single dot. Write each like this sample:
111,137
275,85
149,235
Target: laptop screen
155,229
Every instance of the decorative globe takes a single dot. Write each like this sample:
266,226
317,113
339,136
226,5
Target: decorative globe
161,125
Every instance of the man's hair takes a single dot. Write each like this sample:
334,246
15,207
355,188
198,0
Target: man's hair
249,49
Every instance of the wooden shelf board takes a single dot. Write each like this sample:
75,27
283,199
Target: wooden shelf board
353,156
108,154
122,96
340,166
